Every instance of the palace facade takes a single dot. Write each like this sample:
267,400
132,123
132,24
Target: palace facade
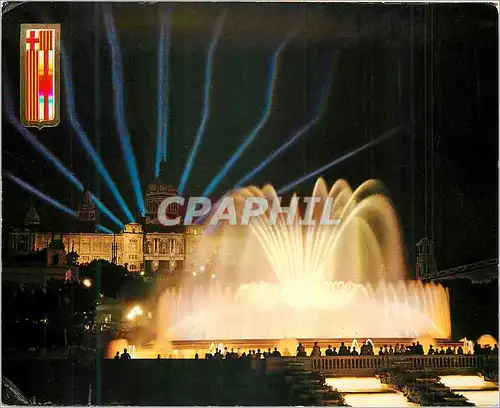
141,247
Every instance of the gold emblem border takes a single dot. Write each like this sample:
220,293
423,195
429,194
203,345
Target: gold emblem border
57,74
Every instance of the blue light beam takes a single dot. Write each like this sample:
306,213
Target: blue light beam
162,96
30,138
206,105
346,156
117,77
43,196
320,109
166,88
254,132
50,200
102,228
84,139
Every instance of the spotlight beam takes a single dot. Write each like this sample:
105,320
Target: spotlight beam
43,196
159,109
117,77
49,200
346,156
206,105
102,228
162,97
254,132
166,88
305,128
50,156
84,139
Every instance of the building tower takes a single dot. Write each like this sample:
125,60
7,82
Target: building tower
86,213
426,263
157,191
31,220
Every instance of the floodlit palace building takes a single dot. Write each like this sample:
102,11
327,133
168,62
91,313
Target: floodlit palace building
141,247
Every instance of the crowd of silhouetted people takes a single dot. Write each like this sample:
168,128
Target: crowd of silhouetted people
251,355
124,356
366,349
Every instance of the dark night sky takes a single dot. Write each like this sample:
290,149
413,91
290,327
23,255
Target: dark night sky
432,69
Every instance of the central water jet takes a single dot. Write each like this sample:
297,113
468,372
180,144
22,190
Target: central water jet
317,281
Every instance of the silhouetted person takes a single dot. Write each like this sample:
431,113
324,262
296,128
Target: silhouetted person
125,355
386,351
276,353
449,351
342,350
363,350
495,349
329,351
381,351
477,349
413,349
334,351
242,356
348,350
419,349
301,351
431,351
460,350
158,357
354,352
316,351
391,350
441,352
259,354
396,349
117,356
196,357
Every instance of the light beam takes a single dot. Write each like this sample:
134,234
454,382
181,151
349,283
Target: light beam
166,88
305,128
346,156
43,196
30,138
49,200
102,228
254,132
162,96
117,77
84,139
206,105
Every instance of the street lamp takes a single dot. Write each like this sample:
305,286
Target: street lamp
87,283
134,312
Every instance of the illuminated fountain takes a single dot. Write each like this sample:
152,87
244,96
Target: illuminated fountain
308,281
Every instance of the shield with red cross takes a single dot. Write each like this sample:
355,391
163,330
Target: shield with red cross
40,75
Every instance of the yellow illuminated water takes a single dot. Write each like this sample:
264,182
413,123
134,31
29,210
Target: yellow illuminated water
482,398
478,391
467,382
368,392
287,281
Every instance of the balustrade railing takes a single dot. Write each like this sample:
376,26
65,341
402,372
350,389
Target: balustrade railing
371,364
